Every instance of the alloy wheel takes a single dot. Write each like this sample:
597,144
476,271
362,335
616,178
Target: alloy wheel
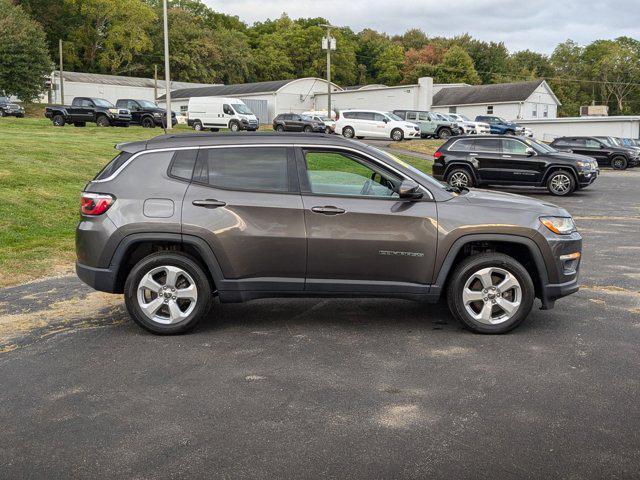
167,294
459,179
560,184
492,295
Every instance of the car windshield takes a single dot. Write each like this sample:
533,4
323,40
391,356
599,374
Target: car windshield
417,173
325,119
147,104
393,116
102,102
538,146
4,99
501,120
241,108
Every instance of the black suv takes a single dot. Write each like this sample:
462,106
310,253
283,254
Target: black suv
7,108
145,113
605,153
505,160
292,122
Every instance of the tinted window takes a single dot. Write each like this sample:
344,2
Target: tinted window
411,116
251,168
183,162
488,145
563,142
591,143
578,142
336,173
227,109
349,115
466,145
513,146
86,103
365,116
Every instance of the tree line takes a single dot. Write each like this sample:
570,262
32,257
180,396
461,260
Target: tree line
124,37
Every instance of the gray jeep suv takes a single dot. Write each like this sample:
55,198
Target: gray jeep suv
176,220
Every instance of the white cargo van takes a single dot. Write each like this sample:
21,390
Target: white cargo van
215,113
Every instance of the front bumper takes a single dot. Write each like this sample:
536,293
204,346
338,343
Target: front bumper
119,117
14,112
248,125
587,178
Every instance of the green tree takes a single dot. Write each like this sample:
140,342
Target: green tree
389,64
568,67
24,57
413,38
457,67
236,62
528,65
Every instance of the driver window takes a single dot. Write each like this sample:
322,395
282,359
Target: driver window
513,146
334,173
378,117
227,109
423,116
590,143
411,116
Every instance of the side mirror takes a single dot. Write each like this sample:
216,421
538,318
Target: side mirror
602,146
530,152
385,120
409,190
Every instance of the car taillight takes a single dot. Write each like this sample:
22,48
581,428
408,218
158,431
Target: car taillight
95,203
437,155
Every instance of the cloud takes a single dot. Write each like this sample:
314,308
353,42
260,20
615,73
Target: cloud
535,25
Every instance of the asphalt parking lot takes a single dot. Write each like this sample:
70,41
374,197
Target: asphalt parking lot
334,388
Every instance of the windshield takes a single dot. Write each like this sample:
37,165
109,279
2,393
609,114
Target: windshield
241,108
102,103
538,146
419,174
393,116
4,99
147,104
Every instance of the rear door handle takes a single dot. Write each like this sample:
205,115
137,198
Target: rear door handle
329,210
473,154
208,203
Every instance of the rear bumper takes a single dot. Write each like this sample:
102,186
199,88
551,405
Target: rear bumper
102,279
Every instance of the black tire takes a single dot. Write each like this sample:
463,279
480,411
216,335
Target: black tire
348,132
20,115
444,133
561,183
455,178
197,126
234,126
327,130
397,135
103,121
148,122
619,163
1,113
79,124
465,275
307,129
279,128
186,264
359,137
58,120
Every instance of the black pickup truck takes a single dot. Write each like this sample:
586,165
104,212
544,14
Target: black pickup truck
145,112
87,109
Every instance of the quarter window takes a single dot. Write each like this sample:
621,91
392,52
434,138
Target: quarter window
411,116
250,168
463,146
334,173
183,163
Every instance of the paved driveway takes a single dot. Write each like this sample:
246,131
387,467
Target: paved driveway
334,388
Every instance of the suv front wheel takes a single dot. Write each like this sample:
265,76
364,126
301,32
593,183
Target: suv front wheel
167,293
490,293
561,183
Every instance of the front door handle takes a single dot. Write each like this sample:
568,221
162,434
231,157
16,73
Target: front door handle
506,156
208,203
329,210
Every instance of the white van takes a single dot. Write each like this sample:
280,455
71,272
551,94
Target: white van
215,113
375,124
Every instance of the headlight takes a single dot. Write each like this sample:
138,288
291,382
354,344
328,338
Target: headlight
559,225
113,110
157,114
582,164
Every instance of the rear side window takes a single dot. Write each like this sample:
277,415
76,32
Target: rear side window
113,165
245,168
349,115
488,145
183,163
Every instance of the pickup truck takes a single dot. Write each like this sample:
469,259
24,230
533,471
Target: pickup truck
8,108
500,126
88,109
145,112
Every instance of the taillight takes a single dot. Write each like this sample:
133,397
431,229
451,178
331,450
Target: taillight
437,155
95,203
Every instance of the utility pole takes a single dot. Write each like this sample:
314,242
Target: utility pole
330,44
155,82
167,75
61,75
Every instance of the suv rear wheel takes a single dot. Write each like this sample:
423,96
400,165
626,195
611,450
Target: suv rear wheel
619,163
561,183
348,132
167,293
490,293
460,177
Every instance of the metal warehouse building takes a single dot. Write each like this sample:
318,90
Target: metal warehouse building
109,87
265,99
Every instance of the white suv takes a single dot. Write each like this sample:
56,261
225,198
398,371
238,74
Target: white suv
375,124
469,126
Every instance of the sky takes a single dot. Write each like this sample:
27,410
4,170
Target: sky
537,25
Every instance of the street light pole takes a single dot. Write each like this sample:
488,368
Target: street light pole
167,74
329,45
61,73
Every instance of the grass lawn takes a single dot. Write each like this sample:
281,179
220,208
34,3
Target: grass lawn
427,147
42,171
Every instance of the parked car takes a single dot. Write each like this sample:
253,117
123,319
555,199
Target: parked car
431,124
10,109
603,152
375,124
85,110
467,126
145,112
244,217
215,113
504,160
500,126
293,122
330,124
618,142
630,142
